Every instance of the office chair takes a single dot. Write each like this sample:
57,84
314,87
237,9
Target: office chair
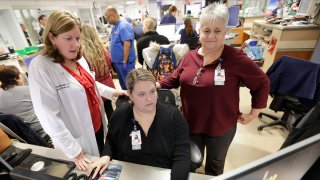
166,96
15,127
295,88
308,126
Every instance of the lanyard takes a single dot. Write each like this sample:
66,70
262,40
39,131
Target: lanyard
134,124
219,67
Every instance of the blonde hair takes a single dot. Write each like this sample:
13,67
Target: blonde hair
136,75
59,22
93,49
150,24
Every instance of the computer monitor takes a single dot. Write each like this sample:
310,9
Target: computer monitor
291,162
167,30
233,16
195,8
272,4
179,26
306,7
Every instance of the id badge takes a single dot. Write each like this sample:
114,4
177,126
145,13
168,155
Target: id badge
136,140
219,77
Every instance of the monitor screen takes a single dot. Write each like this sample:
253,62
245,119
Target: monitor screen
179,27
233,15
194,8
52,167
291,162
272,4
167,30
306,7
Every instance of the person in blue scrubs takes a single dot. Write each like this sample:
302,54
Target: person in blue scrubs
121,45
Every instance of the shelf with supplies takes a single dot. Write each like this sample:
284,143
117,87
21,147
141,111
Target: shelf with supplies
245,25
293,40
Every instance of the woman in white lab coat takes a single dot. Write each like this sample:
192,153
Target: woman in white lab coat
65,96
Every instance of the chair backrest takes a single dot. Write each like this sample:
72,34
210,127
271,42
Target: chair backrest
294,84
193,42
308,126
295,77
11,133
22,130
121,101
166,96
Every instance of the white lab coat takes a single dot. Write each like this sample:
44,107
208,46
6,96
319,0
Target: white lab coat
60,102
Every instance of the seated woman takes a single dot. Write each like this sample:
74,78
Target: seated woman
189,35
149,27
146,131
15,98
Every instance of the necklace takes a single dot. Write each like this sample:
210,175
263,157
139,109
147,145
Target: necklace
76,69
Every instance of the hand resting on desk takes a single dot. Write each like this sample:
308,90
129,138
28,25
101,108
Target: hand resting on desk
101,165
82,162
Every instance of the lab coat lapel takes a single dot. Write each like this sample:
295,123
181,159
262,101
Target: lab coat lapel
67,75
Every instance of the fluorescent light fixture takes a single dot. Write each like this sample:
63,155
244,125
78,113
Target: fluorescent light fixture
130,2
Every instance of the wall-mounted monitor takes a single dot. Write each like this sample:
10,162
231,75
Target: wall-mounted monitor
194,8
306,7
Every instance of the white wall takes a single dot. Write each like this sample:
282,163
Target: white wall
132,11
11,31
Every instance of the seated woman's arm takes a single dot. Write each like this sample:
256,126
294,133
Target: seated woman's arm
102,164
111,144
181,161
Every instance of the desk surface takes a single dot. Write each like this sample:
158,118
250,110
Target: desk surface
287,27
129,170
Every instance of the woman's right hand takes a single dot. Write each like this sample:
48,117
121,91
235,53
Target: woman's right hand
82,162
100,165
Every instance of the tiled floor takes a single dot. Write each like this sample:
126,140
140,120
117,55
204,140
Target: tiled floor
250,144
